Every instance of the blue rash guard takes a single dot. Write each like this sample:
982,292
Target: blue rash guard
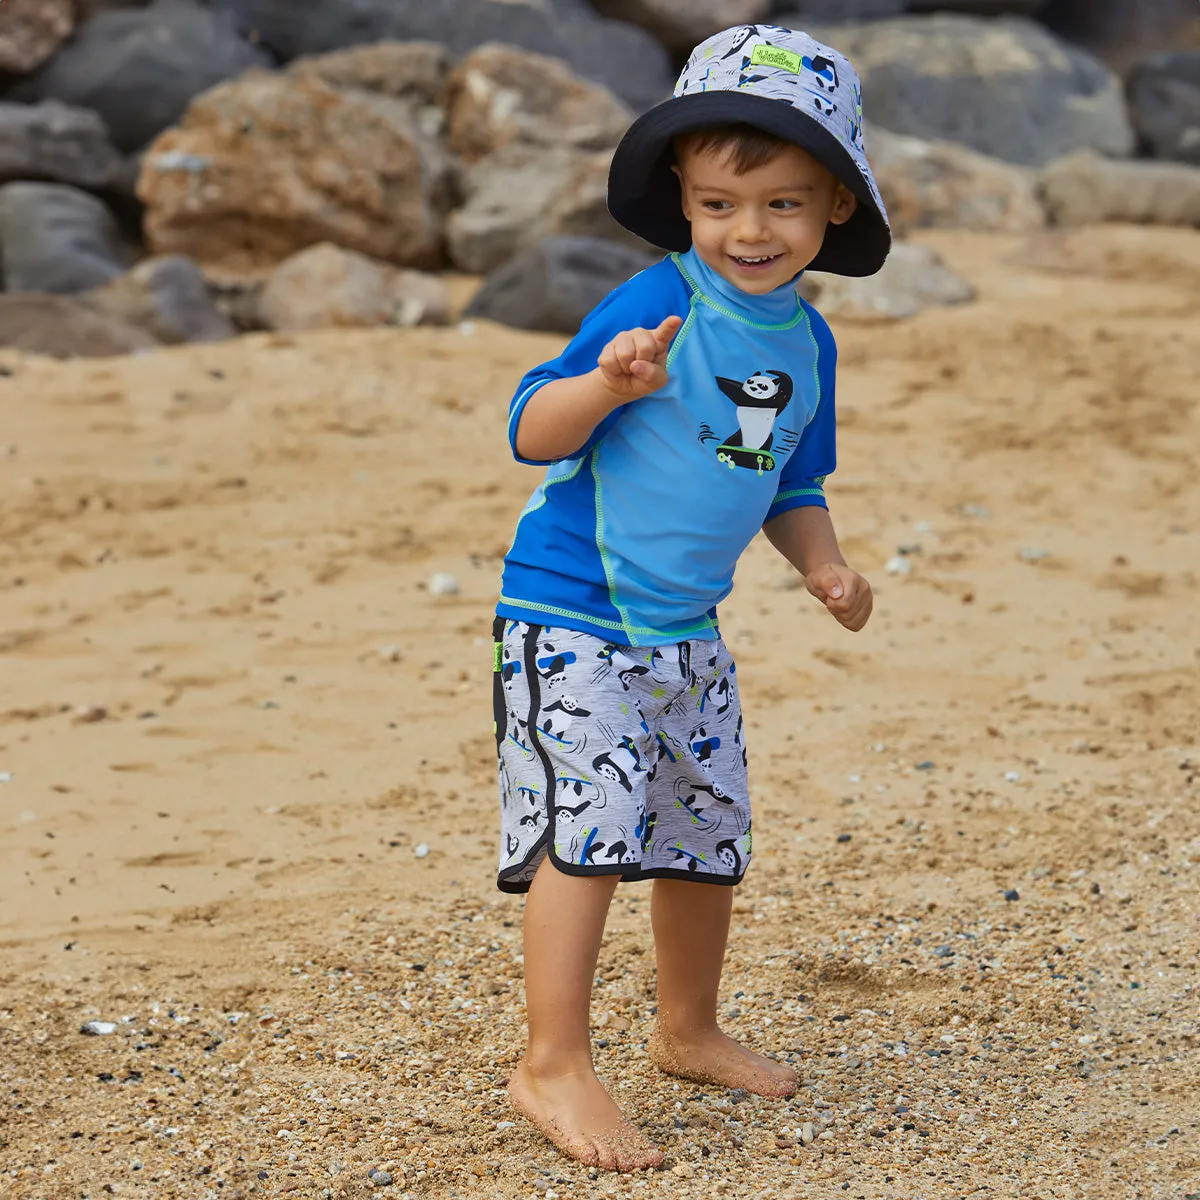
634,538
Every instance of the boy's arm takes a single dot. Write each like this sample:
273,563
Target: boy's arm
806,538
562,414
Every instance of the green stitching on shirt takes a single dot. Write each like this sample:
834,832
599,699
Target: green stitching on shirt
813,491
608,569
702,298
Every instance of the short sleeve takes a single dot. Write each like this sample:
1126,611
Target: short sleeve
644,301
802,480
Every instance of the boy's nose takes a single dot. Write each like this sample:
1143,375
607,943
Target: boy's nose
751,227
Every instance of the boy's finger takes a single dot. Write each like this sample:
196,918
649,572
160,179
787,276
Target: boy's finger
667,330
645,344
625,352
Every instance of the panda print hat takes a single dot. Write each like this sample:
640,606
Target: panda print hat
778,80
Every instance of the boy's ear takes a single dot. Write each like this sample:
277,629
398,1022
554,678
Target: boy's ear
683,196
845,203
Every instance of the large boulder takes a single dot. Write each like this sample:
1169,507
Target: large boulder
1084,189
1164,101
266,165
798,14
1006,87
556,283
1123,31
56,143
55,238
682,24
326,286
167,298
913,278
500,94
138,68
62,327
980,8
523,193
626,59
31,31
942,185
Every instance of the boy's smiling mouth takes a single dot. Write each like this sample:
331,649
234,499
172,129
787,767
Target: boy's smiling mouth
753,262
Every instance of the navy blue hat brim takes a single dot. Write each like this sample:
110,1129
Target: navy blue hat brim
644,194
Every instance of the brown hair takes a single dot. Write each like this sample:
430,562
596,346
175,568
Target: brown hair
747,146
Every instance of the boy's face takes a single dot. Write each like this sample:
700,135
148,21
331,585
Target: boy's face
761,229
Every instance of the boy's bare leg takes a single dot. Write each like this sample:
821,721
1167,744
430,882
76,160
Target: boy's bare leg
691,925
555,1084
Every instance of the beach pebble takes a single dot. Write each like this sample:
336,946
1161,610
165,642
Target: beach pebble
808,1133
1032,554
6,777
443,584
421,850
379,1178
390,653
898,565
1012,776
1012,894
98,1028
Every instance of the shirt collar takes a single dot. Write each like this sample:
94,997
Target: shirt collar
773,308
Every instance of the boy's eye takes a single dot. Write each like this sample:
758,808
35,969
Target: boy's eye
785,204
716,205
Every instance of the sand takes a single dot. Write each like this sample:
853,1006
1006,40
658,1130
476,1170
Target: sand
232,707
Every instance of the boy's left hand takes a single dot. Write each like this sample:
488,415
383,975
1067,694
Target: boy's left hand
844,592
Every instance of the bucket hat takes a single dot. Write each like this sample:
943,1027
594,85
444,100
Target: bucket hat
778,80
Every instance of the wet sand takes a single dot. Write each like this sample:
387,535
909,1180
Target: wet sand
231,708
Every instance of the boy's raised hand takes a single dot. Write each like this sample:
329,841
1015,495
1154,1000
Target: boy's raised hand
634,363
844,592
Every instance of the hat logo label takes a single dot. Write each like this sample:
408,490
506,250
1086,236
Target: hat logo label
773,56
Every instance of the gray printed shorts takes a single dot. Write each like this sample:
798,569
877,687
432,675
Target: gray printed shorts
617,760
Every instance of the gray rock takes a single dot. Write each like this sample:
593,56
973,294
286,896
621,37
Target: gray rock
681,24
796,14
556,283
61,327
1084,189
523,193
54,143
980,8
139,68
1006,87
168,298
55,238
913,278
1164,102
626,59
943,185
1122,31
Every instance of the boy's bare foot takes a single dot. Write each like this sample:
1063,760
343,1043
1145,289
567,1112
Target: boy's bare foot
575,1112
716,1058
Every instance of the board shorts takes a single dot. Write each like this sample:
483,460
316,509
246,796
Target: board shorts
618,760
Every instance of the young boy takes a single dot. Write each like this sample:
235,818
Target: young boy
694,408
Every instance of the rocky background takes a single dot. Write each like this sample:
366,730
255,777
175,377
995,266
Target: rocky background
178,171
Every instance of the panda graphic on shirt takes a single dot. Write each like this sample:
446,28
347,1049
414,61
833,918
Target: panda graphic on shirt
759,400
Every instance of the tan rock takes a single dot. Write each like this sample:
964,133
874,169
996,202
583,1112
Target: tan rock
326,286
943,185
62,327
1084,188
500,94
31,31
416,71
266,165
